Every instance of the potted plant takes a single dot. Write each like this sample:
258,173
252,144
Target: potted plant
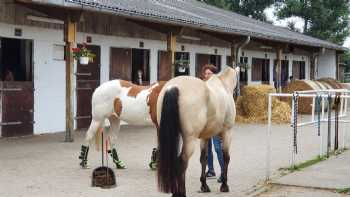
83,54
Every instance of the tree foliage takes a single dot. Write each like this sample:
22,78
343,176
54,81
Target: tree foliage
324,19
252,8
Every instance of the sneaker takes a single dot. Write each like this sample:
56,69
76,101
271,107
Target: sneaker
220,179
210,174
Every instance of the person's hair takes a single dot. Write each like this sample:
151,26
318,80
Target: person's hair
211,67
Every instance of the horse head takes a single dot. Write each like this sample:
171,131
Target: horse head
229,77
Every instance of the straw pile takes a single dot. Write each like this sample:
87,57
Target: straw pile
300,85
305,104
331,82
345,86
252,106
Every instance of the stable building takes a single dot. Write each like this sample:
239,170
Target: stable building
44,90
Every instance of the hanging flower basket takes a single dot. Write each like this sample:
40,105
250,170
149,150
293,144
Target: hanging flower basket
83,55
84,60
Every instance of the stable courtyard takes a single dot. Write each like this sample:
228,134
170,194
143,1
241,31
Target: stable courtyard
45,165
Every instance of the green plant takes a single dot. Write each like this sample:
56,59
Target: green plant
312,161
83,52
344,190
182,62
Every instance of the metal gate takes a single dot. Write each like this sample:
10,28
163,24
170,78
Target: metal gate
17,108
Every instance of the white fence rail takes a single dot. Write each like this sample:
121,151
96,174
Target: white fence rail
343,94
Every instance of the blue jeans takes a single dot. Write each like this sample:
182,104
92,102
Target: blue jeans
218,149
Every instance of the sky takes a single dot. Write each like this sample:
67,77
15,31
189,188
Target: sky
298,22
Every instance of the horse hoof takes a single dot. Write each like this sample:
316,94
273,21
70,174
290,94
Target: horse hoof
205,188
224,188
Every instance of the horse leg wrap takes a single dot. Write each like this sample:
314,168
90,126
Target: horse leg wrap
114,155
153,163
83,156
119,164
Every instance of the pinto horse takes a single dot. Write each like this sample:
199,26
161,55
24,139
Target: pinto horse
120,100
189,109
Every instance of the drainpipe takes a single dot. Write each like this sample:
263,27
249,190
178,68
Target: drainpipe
238,47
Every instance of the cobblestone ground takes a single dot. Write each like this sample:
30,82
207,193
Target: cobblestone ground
46,166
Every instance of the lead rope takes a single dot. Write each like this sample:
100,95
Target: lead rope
329,123
336,135
295,122
107,169
318,111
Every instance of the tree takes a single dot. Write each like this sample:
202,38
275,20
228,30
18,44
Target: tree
324,19
291,26
218,3
251,8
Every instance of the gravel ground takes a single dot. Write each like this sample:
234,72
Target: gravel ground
46,166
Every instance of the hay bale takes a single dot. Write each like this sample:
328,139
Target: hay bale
345,85
255,99
301,85
239,107
281,111
252,106
331,82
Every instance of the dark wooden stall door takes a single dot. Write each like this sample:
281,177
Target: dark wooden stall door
284,72
121,64
298,69
164,65
88,79
17,100
201,61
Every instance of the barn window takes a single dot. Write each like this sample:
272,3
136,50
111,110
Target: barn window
203,59
260,70
140,66
298,70
216,61
16,59
182,63
243,77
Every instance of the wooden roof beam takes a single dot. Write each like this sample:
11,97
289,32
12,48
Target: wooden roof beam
159,27
52,11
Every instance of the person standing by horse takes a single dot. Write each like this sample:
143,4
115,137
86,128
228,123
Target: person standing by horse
207,71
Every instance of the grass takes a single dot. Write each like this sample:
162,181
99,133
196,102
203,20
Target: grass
306,164
311,162
343,190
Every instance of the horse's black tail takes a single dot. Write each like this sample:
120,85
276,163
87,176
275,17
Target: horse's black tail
169,163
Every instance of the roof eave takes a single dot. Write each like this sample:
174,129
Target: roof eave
172,21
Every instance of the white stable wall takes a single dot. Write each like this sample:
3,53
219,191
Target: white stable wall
49,74
326,64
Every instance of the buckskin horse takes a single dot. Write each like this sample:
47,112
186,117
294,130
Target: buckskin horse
120,100
189,109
